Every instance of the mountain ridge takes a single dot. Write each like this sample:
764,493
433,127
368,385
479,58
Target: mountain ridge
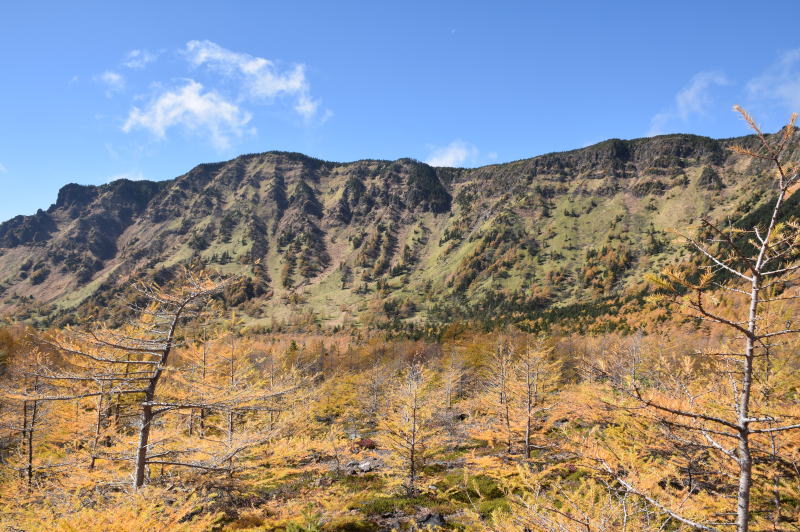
378,242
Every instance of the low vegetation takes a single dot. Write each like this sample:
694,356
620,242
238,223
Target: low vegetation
186,417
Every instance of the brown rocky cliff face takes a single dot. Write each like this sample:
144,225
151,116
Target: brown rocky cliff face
289,221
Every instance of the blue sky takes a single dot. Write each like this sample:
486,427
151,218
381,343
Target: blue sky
91,92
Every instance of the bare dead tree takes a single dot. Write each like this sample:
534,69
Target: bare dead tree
104,363
452,377
497,383
536,379
759,265
23,417
229,383
409,428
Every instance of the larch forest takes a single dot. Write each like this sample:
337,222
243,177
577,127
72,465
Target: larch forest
596,340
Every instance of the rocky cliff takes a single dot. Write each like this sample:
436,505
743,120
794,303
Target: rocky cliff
376,242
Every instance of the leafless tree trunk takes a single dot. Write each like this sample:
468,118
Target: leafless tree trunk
531,400
453,375
497,382
98,427
24,416
761,265
110,357
172,309
30,418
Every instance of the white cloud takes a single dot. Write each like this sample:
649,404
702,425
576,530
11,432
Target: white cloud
306,107
694,98
134,175
213,104
138,59
111,150
657,124
195,110
3,169
691,100
113,81
457,153
780,83
261,78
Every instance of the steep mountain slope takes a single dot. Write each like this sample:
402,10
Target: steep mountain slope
382,242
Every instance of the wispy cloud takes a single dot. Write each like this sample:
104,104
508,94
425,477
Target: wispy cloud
3,169
133,175
218,98
261,78
195,110
111,150
780,82
691,100
137,59
457,153
113,81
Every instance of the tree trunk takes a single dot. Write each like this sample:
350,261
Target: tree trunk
412,481
509,436
97,429
29,441
528,410
230,440
745,481
34,410
24,434
744,457
141,451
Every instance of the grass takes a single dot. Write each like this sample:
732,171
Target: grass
387,504
360,483
562,238
349,524
470,488
285,486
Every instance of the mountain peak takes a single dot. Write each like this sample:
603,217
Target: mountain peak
397,243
